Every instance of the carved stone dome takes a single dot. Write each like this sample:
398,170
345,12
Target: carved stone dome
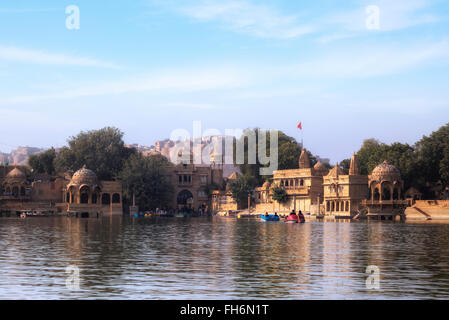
234,176
386,172
15,175
84,176
336,171
320,169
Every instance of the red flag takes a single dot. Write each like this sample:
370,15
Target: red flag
300,126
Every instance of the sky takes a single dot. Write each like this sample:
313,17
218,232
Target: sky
348,71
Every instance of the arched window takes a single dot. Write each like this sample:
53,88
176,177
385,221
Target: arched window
332,206
84,198
84,195
15,191
347,206
22,191
94,198
67,197
328,207
386,193
301,182
106,198
396,194
115,198
376,195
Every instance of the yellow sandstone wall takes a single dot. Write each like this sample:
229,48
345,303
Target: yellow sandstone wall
428,210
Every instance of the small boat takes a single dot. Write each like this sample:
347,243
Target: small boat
270,217
180,215
292,219
139,215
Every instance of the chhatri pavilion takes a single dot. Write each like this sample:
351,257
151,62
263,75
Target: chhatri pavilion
81,194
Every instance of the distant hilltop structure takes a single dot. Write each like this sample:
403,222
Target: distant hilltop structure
19,156
165,147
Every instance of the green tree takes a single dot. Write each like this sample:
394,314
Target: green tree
403,156
210,188
149,180
345,165
102,151
43,162
370,155
280,195
288,153
433,157
241,188
444,168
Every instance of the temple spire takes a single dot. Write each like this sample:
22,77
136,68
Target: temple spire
354,167
304,161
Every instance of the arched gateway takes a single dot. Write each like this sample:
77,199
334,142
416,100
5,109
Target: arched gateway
185,199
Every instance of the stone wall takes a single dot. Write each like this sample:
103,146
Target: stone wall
428,210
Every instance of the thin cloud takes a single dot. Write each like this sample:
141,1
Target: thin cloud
360,63
248,18
28,10
374,61
178,82
393,15
21,55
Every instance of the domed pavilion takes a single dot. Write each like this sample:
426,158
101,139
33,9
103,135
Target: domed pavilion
84,187
385,190
15,183
87,196
385,183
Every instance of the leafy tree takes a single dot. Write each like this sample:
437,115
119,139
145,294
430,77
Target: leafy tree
288,154
433,157
241,188
102,151
444,168
148,179
370,155
247,169
211,188
403,156
43,162
279,194
345,165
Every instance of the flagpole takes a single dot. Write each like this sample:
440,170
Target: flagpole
302,135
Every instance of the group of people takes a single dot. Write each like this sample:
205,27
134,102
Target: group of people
300,216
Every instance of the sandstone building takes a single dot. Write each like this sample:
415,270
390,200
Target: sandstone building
304,186
316,191
344,193
81,195
385,185
191,184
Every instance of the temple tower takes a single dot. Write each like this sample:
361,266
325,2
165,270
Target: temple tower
304,161
354,166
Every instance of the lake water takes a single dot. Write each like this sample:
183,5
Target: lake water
217,258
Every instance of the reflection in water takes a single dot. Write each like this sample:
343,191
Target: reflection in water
161,258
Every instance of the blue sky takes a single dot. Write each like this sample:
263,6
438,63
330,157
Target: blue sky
149,67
